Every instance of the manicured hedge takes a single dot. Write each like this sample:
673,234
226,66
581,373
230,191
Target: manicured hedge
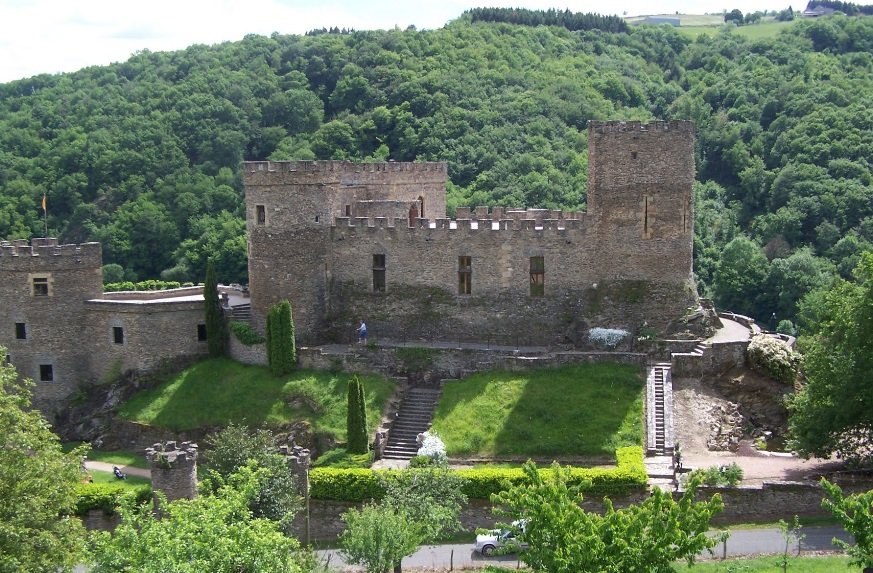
363,484
105,496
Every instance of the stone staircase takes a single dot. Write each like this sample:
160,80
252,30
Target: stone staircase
413,417
241,313
660,443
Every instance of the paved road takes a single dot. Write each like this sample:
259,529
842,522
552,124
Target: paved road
741,542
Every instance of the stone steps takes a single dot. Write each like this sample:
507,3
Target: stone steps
413,417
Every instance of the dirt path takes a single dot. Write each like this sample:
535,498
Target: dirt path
105,467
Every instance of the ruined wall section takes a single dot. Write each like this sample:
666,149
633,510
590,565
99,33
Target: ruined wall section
55,329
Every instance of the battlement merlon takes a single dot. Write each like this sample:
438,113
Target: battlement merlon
342,173
630,126
45,253
170,455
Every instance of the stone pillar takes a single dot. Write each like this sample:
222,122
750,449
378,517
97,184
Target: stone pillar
298,463
174,469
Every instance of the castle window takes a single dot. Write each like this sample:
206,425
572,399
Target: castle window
537,276
46,373
378,273
633,154
40,286
348,210
421,206
118,335
465,275
261,214
20,331
201,333
8,360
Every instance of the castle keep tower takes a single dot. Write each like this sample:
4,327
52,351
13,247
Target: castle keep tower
344,241
174,469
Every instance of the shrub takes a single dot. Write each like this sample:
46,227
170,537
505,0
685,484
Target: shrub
340,458
432,447
479,483
607,337
245,333
106,496
720,475
356,418
150,284
773,357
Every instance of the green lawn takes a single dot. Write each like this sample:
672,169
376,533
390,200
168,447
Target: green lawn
579,410
99,476
764,29
830,564
216,392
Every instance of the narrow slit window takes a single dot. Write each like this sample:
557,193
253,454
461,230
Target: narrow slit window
348,210
40,286
20,331
261,214
46,373
201,333
118,335
465,275
646,217
537,276
378,273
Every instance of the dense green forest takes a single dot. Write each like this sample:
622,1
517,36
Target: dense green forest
145,155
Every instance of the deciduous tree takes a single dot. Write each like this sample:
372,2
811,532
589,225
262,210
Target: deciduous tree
38,531
564,538
855,514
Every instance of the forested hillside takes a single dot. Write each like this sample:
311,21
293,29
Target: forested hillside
145,155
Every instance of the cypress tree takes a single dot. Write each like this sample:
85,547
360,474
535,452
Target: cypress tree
214,317
356,419
362,418
281,348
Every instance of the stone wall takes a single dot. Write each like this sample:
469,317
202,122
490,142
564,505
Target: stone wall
719,358
254,354
55,327
315,238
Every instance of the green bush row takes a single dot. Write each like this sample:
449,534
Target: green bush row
151,284
364,484
246,334
105,496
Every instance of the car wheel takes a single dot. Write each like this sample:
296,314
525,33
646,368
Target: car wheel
488,550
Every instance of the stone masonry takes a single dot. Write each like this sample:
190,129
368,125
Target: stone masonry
344,241
174,469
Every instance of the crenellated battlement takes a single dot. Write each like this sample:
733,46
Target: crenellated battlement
46,252
334,166
628,126
472,224
172,455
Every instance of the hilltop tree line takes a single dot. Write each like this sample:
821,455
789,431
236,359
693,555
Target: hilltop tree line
145,155
570,20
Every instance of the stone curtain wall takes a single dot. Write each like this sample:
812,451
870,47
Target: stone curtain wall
625,262
56,326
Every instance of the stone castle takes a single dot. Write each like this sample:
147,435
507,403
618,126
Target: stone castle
344,241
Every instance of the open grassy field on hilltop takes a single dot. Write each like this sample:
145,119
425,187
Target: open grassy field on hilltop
693,25
585,410
219,391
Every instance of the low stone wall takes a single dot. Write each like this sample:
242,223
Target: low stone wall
717,359
125,435
773,500
435,364
254,354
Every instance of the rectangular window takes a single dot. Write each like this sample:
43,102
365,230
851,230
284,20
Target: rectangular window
201,333
348,210
378,273
7,360
118,335
465,275
261,214
40,286
20,331
537,276
46,373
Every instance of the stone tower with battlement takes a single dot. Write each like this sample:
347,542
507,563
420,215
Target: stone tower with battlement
174,469
344,241
60,329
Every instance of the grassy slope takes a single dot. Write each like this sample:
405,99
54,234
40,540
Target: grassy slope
219,391
579,410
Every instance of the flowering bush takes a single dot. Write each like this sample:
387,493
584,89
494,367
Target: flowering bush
773,357
607,337
433,447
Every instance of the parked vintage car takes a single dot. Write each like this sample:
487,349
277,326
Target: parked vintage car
501,539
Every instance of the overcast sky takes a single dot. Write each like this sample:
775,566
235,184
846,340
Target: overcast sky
50,36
